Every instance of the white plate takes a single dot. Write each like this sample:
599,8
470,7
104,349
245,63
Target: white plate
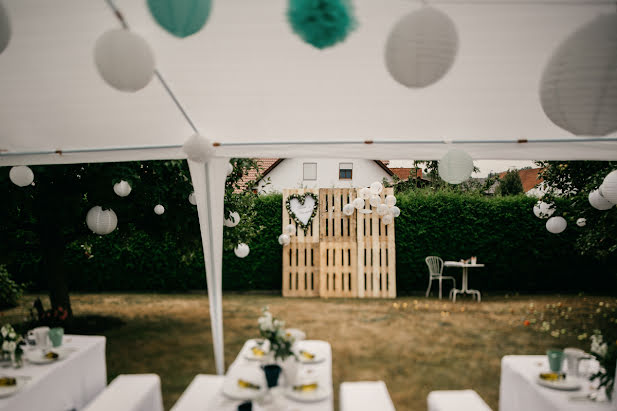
321,393
36,356
232,390
564,385
10,390
249,355
319,357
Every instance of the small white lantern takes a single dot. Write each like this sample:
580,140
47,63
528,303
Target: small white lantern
192,198
290,229
242,250
581,222
358,203
455,166
230,169
124,60
364,193
376,188
159,209
556,225
348,209
122,188
21,176
101,221
395,211
382,209
543,210
387,219
609,187
5,28
375,200
233,220
597,201
390,200
283,239
198,148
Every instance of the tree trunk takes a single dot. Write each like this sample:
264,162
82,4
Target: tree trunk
53,246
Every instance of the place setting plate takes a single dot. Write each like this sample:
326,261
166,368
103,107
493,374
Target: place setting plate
234,385
318,394
7,390
308,356
39,356
253,351
566,384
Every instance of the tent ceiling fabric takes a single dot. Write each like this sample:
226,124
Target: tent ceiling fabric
245,77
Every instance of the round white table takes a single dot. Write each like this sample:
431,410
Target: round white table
464,289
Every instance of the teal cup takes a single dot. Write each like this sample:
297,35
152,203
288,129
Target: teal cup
55,335
555,359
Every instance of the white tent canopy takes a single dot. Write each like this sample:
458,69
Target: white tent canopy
253,86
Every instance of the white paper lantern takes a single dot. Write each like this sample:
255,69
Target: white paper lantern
387,219
198,148
376,188
358,203
101,221
364,193
290,229
382,209
159,209
581,222
192,198
284,239
124,60
456,166
242,250
348,209
390,200
578,90
230,169
122,188
556,224
395,211
421,47
21,176
374,201
609,186
233,220
597,201
543,210
5,28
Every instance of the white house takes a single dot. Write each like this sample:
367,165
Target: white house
279,174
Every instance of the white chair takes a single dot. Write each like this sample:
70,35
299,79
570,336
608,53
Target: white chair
365,395
435,270
134,392
462,400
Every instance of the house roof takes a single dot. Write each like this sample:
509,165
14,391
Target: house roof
529,177
403,173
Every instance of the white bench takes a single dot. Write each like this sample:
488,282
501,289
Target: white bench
365,395
132,392
462,400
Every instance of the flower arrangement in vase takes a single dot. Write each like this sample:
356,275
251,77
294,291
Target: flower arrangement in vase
272,329
11,344
605,351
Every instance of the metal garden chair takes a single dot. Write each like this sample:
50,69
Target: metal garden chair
435,270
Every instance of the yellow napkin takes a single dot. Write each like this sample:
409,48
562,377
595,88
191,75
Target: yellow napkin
258,352
553,376
305,387
245,384
7,381
307,355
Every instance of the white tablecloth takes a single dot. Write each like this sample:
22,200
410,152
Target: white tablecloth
365,396
135,392
205,393
63,385
519,391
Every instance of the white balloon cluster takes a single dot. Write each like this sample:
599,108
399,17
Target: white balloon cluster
388,210
288,232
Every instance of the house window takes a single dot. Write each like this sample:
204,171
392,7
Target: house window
310,171
345,171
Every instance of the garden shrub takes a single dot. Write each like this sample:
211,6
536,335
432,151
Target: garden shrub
10,291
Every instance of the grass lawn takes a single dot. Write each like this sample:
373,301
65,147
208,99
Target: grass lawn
414,344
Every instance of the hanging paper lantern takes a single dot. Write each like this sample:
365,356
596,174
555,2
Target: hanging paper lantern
348,209
180,17
382,209
5,28
581,222
609,187
543,210
395,211
358,203
159,209
597,201
101,221
122,188
374,201
364,193
290,229
124,60
376,188
198,148
233,220
387,219
390,200
192,198
242,250
421,48
456,166
284,239
578,90
21,175
321,23
230,169
556,224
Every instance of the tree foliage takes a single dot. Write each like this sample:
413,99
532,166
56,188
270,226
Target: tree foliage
510,184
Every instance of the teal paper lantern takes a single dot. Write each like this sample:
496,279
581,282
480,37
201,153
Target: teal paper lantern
180,17
321,23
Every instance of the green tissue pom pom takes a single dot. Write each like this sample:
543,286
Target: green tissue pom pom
321,23
180,17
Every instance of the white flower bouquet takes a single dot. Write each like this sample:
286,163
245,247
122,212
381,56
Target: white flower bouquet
272,329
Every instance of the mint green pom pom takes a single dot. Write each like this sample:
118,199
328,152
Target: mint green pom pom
180,17
321,23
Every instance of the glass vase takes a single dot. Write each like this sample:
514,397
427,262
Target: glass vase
16,359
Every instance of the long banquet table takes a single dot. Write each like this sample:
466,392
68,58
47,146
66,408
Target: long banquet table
67,384
206,391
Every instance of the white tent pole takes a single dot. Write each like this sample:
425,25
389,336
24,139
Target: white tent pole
209,186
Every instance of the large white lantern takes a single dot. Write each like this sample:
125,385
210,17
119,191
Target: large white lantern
242,250
581,222
233,220
124,60
395,211
198,148
387,219
122,188
609,186
101,221
159,209
284,239
543,210
455,166
192,198
358,203
390,200
5,28
374,201
21,175
598,201
421,48
556,224
348,209
382,209
376,188
578,90
364,193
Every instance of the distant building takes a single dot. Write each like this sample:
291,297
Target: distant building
532,182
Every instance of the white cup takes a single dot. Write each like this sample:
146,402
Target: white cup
40,335
573,356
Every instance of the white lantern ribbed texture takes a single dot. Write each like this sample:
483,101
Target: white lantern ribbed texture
609,185
543,210
290,229
101,221
242,250
284,239
192,198
374,201
455,166
198,148
421,48
159,209
5,28
348,209
578,90
358,203
21,176
556,224
395,211
387,219
390,200
122,188
376,187
364,193
233,220
597,201
581,222
124,60
382,209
